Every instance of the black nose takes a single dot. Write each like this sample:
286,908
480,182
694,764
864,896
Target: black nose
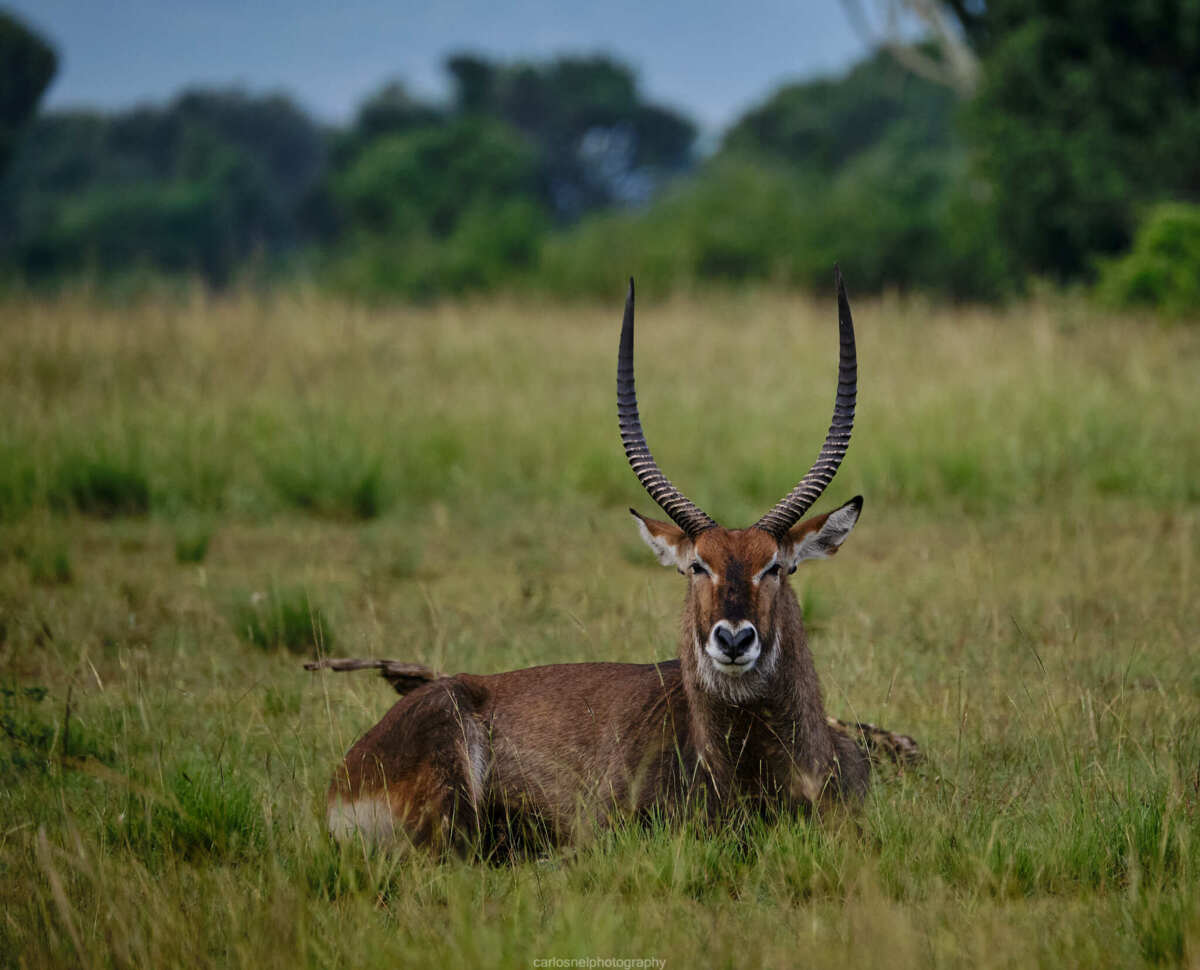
736,644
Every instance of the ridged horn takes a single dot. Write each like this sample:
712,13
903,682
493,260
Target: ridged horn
798,501
689,517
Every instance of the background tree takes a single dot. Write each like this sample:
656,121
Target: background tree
425,180
200,185
1087,111
599,142
390,110
27,65
822,125
446,207
868,170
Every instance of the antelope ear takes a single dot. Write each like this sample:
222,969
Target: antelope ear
822,535
668,541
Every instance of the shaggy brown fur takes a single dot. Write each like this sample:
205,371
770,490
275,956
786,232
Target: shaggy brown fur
558,749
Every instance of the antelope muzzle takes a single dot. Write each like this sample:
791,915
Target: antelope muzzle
733,648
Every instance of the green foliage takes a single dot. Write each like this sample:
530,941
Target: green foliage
489,248
1087,111
598,142
198,186
735,222
27,65
822,125
192,537
547,175
174,227
865,171
388,111
101,484
441,209
281,618
408,200
427,179
889,225
1162,268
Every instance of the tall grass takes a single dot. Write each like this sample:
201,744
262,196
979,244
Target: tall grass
1020,595
342,412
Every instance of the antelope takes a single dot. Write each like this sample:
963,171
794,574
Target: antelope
735,722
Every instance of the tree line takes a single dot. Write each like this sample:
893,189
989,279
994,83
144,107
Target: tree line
1076,159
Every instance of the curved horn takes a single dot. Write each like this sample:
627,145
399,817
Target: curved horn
793,505
690,518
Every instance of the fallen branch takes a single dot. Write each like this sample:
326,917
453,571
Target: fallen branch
404,677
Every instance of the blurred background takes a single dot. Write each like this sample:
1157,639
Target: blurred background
964,149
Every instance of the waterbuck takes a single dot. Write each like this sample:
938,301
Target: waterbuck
736,722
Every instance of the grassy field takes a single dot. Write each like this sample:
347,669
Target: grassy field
197,495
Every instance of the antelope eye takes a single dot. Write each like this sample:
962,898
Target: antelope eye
772,571
699,570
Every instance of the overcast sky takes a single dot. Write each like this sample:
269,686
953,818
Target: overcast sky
711,60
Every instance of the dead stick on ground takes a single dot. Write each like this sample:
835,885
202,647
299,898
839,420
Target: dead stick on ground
404,677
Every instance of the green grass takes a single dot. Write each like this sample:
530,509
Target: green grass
326,471
100,486
281,618
1020,595
49,562
193,534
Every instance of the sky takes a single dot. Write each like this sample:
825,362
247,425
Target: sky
712,60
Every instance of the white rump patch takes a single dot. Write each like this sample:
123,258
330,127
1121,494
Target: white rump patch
806,786
369,819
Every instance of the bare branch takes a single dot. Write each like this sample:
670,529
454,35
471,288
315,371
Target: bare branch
957,67
404,677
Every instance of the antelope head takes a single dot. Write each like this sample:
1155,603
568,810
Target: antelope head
741,617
